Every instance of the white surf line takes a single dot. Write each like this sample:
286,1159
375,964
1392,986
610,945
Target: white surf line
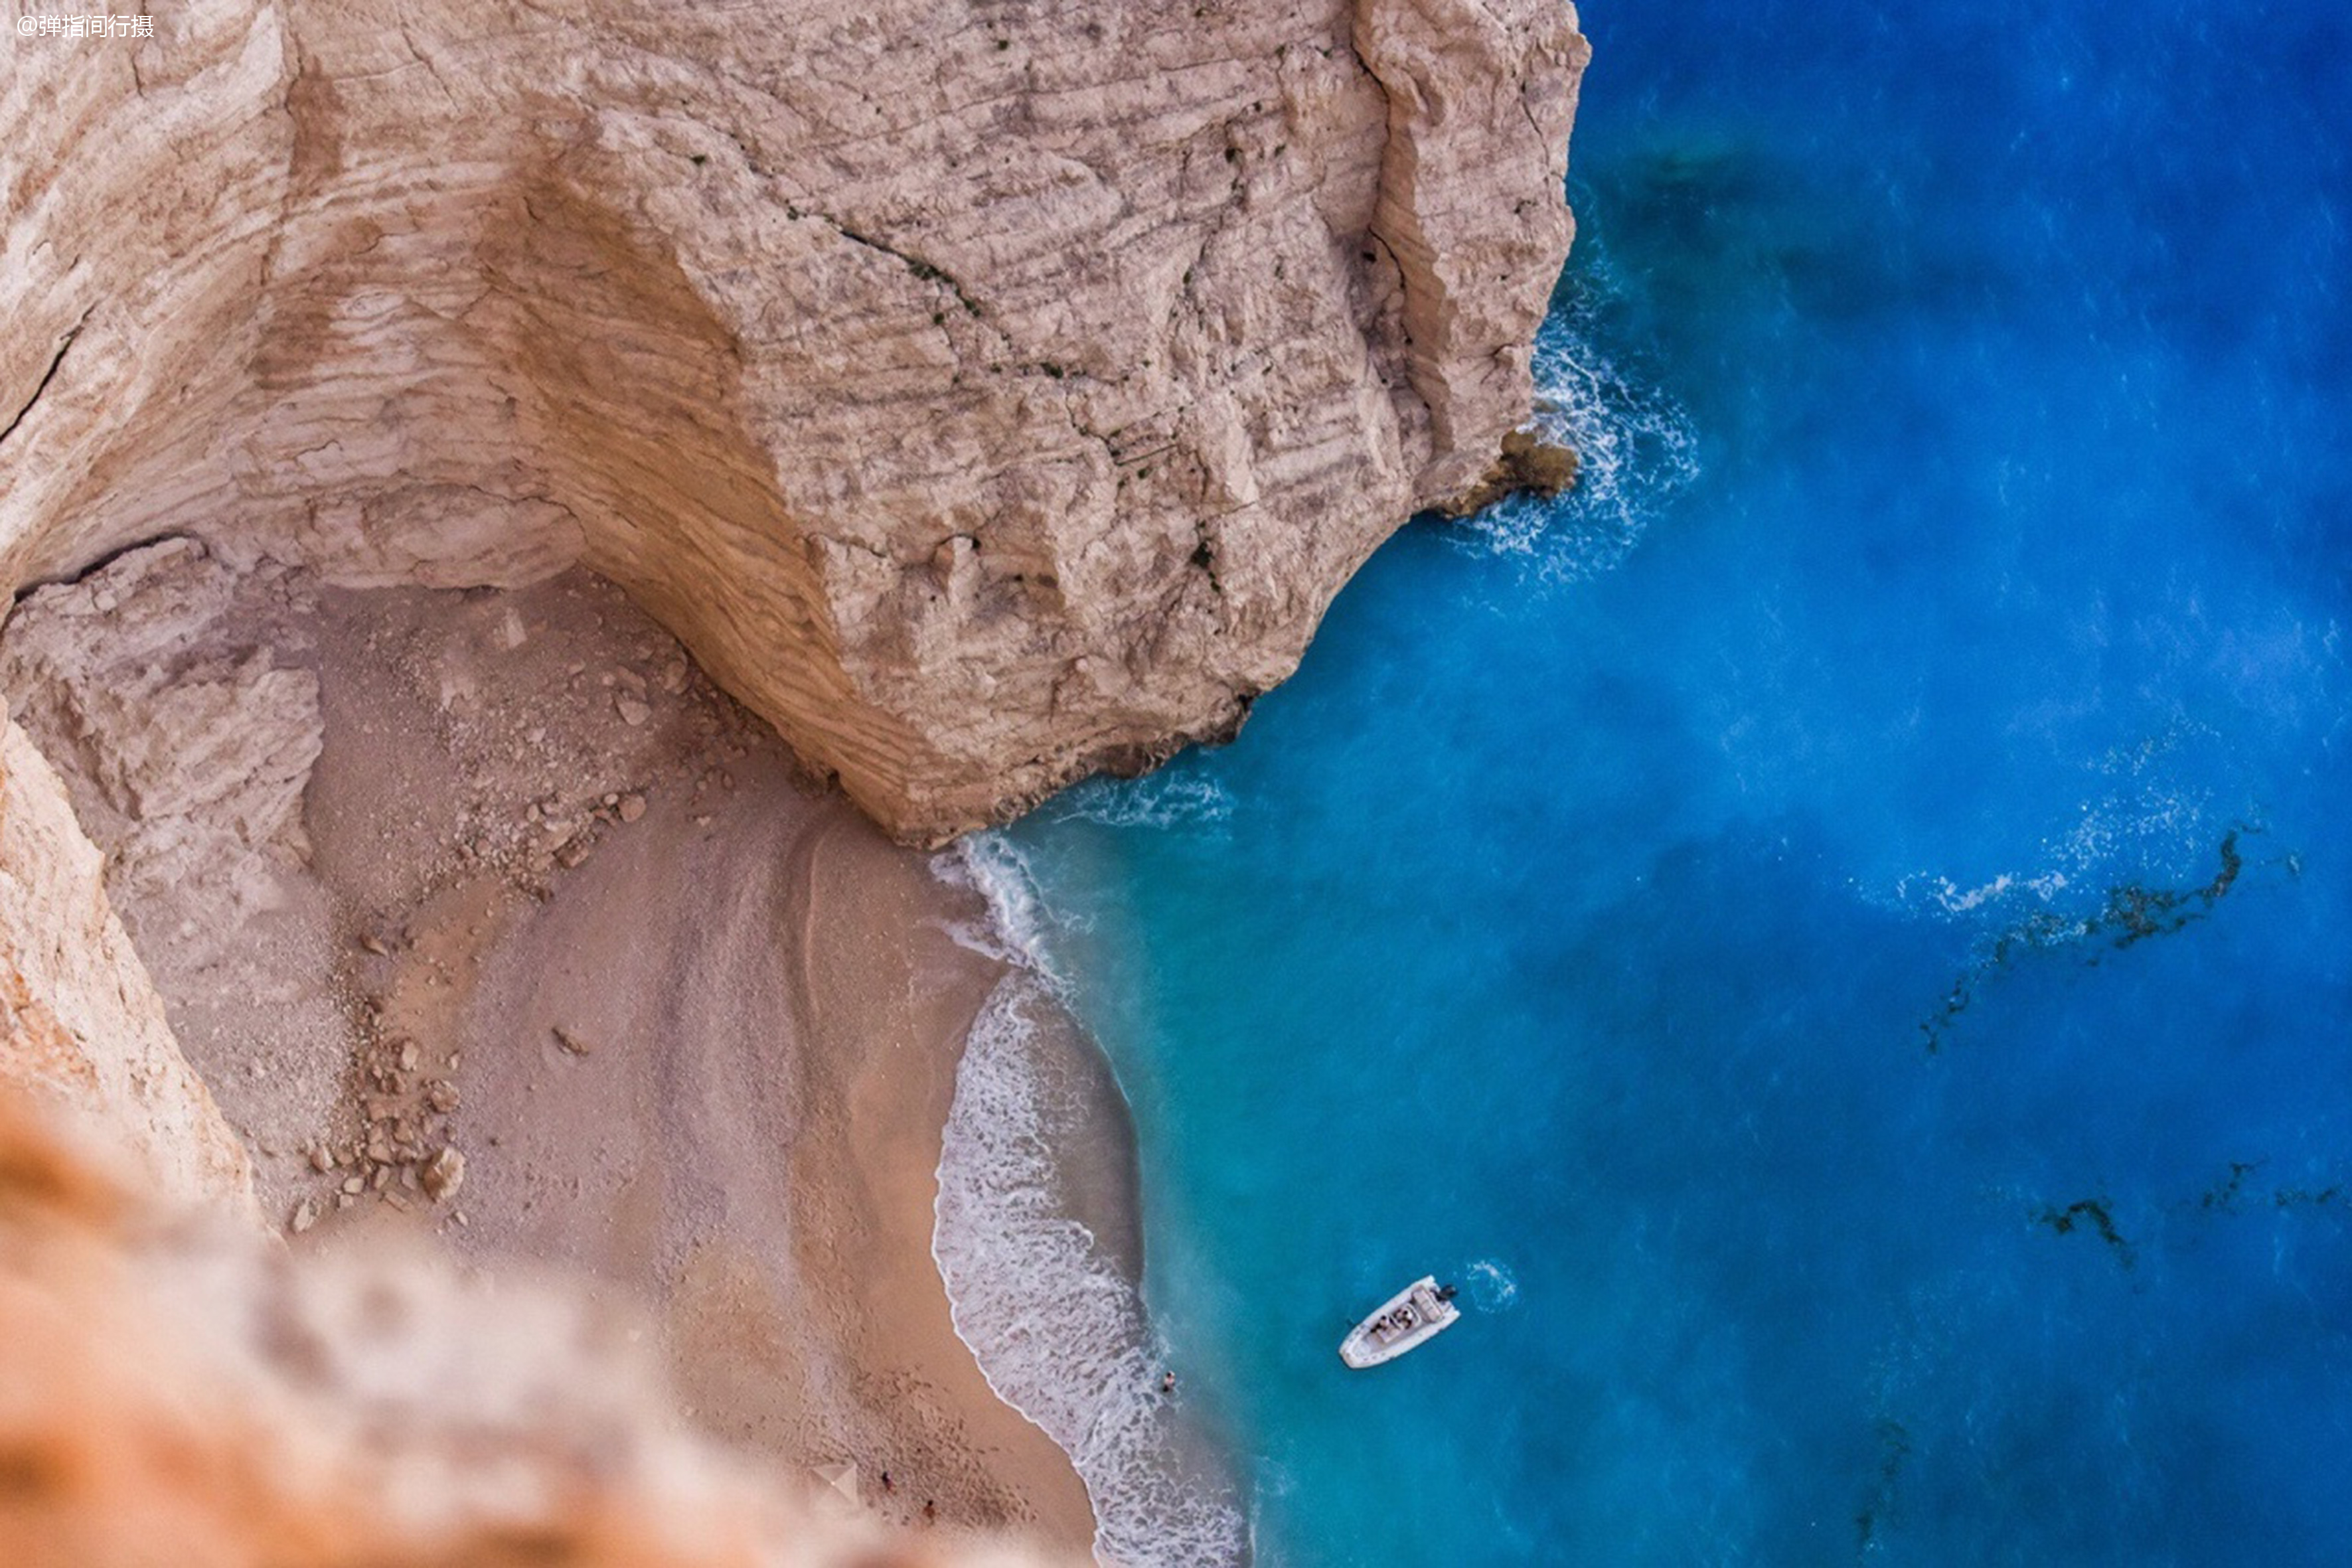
1060,1332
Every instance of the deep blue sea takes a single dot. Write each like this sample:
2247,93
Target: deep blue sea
1838,935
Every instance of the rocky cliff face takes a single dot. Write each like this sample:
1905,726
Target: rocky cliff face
987,392
81,1029
180,1390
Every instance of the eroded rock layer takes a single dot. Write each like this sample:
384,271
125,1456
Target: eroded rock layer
987,392
81,1029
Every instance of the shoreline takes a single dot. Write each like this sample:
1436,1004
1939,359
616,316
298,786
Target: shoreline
767,1103
1039,1243
547,899
892,998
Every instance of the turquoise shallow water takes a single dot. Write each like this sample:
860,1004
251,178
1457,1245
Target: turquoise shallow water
1839,935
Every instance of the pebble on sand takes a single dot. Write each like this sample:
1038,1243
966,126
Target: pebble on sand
444,1173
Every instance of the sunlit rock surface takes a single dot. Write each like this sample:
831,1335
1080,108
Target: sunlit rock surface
988,393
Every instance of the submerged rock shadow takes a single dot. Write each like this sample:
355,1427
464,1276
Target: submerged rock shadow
2133,913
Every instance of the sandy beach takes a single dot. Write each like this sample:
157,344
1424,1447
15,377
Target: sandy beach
689,1025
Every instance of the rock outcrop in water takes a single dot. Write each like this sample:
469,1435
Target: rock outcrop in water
988,393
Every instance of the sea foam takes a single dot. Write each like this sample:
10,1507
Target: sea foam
1636,450
1013,930
1493,1286
1172,798
1058,1328
2143,822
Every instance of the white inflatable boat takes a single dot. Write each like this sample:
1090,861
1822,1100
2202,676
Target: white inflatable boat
1405,1321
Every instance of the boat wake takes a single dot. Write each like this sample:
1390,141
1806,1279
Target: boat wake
1493,1286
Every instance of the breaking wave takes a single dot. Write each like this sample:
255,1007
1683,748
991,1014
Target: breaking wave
1167,799
1014,929
2140,824
1636,450
1057,1326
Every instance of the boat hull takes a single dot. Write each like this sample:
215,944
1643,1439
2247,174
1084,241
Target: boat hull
1405,1321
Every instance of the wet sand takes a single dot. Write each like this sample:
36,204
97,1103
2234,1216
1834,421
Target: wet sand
750,1140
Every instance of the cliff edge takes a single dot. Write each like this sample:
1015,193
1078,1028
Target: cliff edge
82,1032
988,393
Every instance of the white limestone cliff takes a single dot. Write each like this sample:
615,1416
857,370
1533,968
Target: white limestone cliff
987,392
